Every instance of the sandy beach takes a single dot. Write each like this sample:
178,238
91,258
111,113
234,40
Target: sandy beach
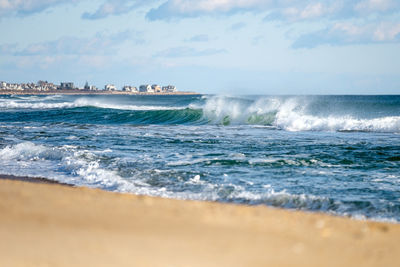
55,225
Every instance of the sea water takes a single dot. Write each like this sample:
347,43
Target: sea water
333,154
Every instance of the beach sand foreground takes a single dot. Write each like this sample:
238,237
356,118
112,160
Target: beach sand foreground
55,225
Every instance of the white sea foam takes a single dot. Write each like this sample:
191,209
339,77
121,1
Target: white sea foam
43,103
82,102
292,117
12,104
195,180
70,164
28,151
289,114
64,164
81,167
67,164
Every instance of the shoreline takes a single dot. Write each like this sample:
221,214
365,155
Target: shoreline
37,180
44,224
81,92
42,180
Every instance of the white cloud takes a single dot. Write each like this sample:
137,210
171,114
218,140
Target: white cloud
215,5
189,8
376,5
198,38
285,10
98,44
184,51
310,11
344,21
383,32
346,33
387,32
116,7
294,9
26,7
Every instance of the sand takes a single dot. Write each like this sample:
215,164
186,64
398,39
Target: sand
55,225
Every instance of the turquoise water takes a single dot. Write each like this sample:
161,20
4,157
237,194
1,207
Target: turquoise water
334,154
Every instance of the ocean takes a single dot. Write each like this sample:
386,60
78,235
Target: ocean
333,154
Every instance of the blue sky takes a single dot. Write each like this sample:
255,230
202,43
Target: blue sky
209,46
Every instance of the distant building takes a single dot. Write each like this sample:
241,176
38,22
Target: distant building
41,86
13,86
86,87
169,89
110,87
156,88
3,85
42,83
145,89
66,86
128,88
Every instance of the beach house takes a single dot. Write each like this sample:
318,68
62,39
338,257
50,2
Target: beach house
128,88
169,89
110,87
145,89
66,86
156,88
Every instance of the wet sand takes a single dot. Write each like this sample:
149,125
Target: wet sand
55,225
37,180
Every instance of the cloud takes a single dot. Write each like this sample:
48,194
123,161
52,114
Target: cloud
341,22
257,39
115,7
187,8
313,10
283,10
98,44
237,26
376,5
345,33
27,7
109,7
8,48
173,9
198,38
185,51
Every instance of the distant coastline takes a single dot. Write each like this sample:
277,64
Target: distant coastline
68,88
83,92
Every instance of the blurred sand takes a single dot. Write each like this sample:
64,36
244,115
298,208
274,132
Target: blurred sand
55,225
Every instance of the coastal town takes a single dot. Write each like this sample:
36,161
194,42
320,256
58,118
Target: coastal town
45,87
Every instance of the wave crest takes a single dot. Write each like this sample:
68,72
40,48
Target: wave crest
291,114
40,103
285,113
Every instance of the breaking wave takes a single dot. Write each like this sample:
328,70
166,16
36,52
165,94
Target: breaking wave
301,114
73,165
285,113
35,103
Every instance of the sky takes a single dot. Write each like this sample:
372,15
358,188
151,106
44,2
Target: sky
207,46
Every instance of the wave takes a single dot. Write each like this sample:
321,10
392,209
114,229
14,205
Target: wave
81,167
65,164
284,113
39,104
70,164
292,114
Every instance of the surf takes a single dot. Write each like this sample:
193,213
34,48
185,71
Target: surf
288,113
